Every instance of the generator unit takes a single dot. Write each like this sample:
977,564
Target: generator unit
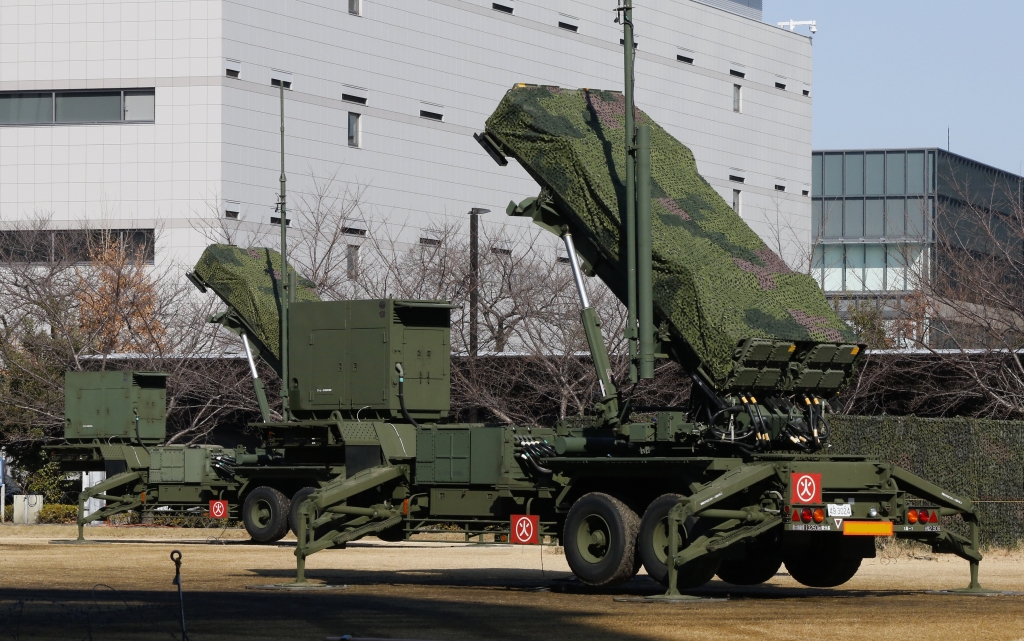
124,407
343,356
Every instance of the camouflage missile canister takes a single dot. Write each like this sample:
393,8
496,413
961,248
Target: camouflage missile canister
250,281
717,286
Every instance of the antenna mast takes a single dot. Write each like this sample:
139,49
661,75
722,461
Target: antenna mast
285,281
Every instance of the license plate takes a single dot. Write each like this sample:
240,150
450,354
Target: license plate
840,509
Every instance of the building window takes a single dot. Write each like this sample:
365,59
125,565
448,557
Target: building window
807,92
276,220
359,100
687,59
230,213
82,107
354,130
353,231
502,8
430,241
77,246
736,179
779,85
276,82
352,261
432,115
622,43
736,200
568,26
780,188
231,73
737,98
355,7
738,74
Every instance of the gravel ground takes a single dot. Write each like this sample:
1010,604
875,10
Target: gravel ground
119,587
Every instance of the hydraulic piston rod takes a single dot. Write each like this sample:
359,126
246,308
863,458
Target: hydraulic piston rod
592,327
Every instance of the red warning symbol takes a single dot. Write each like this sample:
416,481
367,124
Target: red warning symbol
806,487
218,509
524,529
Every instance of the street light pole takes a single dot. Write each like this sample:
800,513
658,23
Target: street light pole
474,268
474,280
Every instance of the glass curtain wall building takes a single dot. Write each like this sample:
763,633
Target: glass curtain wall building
874,215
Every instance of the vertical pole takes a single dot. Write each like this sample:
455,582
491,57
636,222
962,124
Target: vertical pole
627,48
644,249
281,203
474,266
474,319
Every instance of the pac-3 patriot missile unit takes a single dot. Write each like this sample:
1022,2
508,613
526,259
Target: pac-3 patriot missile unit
736,484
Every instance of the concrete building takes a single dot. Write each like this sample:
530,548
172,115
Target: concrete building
163,115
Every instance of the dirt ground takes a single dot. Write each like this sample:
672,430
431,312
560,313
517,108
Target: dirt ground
119,587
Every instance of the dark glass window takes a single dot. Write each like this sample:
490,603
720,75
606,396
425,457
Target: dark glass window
833,174
874,174
895,170
91,106
874,218
26,108
894,216
832,219
915,172
915,217
816,175
853,223
854,174
816,228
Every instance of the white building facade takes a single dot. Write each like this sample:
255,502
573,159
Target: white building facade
163,115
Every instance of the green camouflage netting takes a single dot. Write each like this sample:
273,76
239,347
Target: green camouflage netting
248,280
980,459
715,280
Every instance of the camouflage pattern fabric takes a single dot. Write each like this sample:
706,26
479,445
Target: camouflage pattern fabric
978,458
249,280
715,280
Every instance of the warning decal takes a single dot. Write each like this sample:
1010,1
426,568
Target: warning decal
806,488
218,509
524,529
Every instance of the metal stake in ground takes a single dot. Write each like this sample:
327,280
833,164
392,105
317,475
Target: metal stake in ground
176,557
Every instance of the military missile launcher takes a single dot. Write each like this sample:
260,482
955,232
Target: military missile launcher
736,484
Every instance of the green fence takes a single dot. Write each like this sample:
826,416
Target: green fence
982,459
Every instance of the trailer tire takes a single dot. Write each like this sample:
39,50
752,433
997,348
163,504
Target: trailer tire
757,567
293,513
821,570
600,540
265,514
653,546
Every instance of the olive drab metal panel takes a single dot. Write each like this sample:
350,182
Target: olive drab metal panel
344,353
105,406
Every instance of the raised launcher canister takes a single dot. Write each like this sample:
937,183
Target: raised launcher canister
115,422
725,305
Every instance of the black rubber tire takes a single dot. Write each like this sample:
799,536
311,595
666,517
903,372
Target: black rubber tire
293,512
653,546
265,514
600,540
757,567
821,570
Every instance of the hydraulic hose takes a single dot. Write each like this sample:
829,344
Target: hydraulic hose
401,396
